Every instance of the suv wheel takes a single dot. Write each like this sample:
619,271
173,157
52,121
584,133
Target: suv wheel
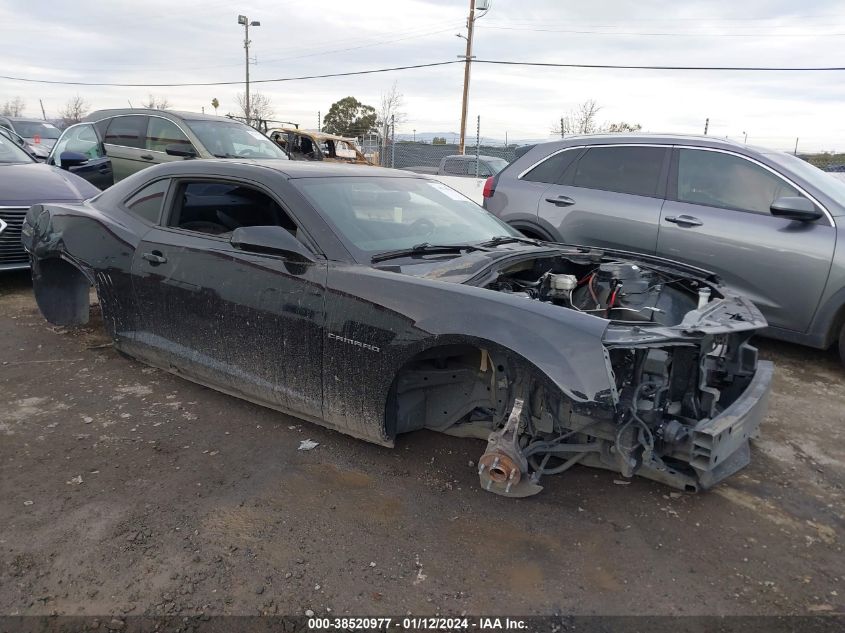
842,344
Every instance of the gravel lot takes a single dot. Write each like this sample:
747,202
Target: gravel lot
124,489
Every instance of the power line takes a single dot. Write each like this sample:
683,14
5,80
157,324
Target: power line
227,83
660,34
635,67
434,64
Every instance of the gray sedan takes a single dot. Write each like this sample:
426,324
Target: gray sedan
765,221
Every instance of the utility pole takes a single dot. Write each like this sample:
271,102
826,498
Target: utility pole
415,136
319,121
242,19
483,5
561,127
745,138
795,153
706,125
44,114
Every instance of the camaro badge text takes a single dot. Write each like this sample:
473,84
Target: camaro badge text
350,341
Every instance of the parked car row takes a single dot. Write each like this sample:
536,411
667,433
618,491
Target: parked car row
595,347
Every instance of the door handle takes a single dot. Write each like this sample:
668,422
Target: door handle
147,156
683,220
561,201
104,170
155,258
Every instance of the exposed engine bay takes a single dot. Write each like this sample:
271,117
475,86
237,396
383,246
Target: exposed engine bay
686,390
616,290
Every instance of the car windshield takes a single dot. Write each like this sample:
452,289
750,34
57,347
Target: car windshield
31,129
823,181
379,214
230,139
11,153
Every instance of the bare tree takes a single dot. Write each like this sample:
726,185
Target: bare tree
13,107
390,109
260,106
623,126
156,103
583,119
74,111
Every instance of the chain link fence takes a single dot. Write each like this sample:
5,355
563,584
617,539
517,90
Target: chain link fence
428,156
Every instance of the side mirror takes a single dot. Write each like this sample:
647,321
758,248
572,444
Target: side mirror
178,149
72,159
794,208
273,240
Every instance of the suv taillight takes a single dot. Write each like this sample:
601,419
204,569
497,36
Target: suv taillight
488,188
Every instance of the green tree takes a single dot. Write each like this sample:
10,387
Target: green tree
438,140
350,117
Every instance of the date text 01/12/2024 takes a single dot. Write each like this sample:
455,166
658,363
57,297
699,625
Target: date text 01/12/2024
415,624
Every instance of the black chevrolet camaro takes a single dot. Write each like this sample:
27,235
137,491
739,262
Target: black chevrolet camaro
378,302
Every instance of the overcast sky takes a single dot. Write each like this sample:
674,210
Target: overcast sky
158,41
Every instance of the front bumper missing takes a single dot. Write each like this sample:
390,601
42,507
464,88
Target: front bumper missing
719,446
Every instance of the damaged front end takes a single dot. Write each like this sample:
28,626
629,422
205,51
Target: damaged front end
687,390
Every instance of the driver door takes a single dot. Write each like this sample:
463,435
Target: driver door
248,323
83,138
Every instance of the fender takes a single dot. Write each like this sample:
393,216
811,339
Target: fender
401,316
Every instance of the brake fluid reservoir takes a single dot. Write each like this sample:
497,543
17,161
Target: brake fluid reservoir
561,285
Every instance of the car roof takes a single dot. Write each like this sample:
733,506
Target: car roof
288,168
27,119
646,138
472,157
99,115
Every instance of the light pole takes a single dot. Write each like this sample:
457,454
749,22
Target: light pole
242,19
482,5
745,138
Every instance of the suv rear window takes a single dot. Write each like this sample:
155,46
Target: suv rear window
630,169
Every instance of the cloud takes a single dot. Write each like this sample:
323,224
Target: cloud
194,40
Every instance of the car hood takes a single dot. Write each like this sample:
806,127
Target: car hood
465,268
24,184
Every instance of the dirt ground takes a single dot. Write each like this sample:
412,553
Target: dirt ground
126,490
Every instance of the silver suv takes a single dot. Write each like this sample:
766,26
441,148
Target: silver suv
767,222
110,145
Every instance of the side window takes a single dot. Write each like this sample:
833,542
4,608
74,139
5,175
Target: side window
552,169
723,180
127,131
484,170
81,139
162,132
455,167
220,207
631,169
147,203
